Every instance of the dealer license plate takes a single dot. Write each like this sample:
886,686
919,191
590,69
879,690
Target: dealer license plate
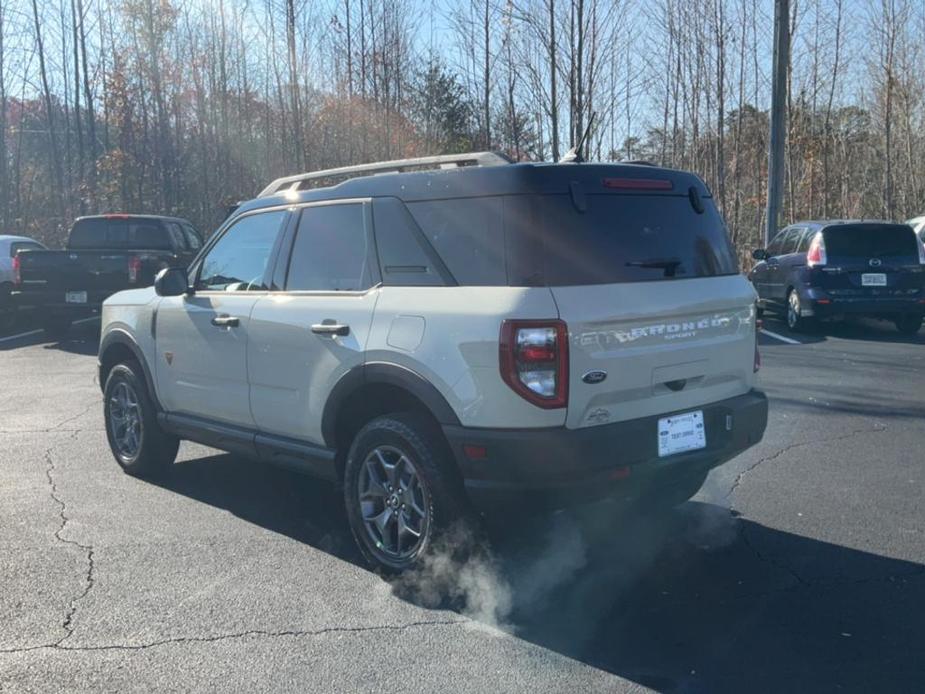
681,432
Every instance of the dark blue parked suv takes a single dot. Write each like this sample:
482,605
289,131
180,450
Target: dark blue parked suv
829,269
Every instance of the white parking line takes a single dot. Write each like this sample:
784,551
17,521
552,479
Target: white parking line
36,332
788,340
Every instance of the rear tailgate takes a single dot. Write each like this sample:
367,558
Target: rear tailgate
646,279
870,260
64,271
665,346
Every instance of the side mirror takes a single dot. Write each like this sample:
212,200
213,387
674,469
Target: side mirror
760,254
171,281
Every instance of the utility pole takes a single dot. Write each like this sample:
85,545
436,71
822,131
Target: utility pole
778,104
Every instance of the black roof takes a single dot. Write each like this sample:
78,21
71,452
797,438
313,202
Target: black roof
481,181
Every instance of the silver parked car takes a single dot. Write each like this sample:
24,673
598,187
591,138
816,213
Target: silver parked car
9,247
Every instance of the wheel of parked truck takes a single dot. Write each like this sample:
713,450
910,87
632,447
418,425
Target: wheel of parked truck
136,439
399,490
56,327
908,324
796,321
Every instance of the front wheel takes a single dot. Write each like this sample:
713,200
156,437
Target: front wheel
399,490
136,440
908,324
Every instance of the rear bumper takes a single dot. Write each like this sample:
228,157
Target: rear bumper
823,305
54,300
559,467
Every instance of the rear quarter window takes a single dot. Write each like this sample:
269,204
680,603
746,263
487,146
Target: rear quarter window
468,234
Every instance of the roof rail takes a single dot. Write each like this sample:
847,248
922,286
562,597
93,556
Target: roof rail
443,161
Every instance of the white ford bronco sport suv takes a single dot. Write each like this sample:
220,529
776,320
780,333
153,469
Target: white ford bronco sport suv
448,335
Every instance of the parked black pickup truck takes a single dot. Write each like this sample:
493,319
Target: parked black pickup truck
104,255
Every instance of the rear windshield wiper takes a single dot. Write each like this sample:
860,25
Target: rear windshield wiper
669,265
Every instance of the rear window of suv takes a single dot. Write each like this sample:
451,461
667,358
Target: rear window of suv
870,241
119,233
546,240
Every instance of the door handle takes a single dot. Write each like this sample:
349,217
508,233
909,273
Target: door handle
331,329
226,321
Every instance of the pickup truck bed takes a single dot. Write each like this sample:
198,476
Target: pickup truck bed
105,254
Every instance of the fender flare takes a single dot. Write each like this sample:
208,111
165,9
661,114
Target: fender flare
118,336
388,374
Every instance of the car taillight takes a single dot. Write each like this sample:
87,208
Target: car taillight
921,250
816,253
17,270
534,360
134,268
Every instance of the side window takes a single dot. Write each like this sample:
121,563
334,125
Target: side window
789,244
805,240
468,234
192,238
238,260
404,258
331,250
176,236
777,242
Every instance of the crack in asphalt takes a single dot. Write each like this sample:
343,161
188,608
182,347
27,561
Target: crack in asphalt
68,623
743,534
59,427
736,483
261,633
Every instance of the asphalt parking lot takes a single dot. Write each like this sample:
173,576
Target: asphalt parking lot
799,567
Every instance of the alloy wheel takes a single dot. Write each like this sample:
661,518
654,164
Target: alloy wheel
125,421
793,310
394,502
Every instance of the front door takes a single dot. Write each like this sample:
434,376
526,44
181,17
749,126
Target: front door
303,339
201,365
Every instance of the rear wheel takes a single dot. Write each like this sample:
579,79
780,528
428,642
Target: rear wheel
908,324
56,326
399,490
796,321
136,440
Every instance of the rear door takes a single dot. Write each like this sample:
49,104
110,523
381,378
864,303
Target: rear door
870,260
201,362
304,338
652,296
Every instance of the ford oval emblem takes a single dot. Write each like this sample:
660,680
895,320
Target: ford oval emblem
593,377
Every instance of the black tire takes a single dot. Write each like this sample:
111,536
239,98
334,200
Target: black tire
796,321
440,489
156,450
56,327
908,324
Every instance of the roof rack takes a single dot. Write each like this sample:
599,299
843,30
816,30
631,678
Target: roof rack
331,176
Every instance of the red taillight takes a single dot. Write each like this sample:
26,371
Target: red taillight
134,268
638,183
17,270
534,360
816,253
116,215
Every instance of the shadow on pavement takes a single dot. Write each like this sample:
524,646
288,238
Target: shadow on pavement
694,600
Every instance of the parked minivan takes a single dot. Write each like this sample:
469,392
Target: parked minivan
831,269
